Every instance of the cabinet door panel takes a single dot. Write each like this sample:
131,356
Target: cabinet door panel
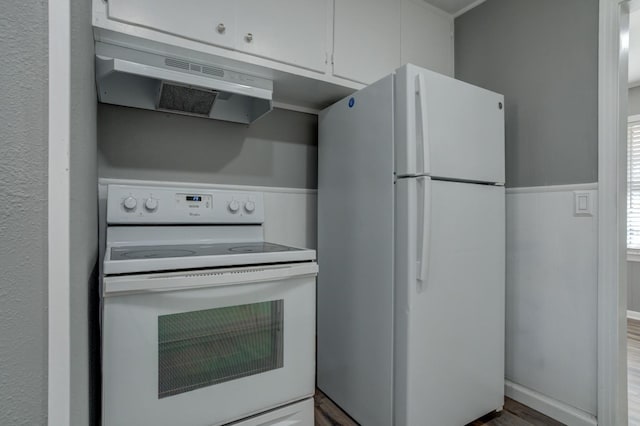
289,31
194,19
366,44
427,37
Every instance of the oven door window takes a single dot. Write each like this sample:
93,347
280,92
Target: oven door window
207,347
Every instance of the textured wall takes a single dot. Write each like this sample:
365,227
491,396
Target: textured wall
83,212
543,56
278,150
23,215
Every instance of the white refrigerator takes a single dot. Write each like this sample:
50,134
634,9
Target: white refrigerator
411,250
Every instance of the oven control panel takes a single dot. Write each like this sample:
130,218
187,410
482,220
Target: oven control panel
128,204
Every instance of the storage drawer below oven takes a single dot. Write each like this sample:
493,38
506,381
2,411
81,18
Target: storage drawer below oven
296,414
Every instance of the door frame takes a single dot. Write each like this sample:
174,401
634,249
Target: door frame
612,285
59,319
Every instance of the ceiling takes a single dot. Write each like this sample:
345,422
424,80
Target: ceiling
455,7
634,48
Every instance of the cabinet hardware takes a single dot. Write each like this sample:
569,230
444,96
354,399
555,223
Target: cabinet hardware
248,37
221,28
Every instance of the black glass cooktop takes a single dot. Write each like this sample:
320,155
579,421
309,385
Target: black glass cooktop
185,250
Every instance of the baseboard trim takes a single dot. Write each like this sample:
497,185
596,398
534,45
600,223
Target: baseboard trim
553,188
555,409
633,315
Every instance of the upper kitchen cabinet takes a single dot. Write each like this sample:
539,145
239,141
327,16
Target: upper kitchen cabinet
208,21
314,51
366,39
427,37
291,31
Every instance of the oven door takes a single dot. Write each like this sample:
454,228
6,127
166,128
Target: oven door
207,347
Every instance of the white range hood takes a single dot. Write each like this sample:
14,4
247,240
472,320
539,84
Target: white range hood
139,79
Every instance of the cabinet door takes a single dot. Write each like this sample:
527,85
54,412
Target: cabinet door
289,31
208,21
366,39
427,37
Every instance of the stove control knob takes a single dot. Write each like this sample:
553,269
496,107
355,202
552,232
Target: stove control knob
234,206
130,203
250,206
151,204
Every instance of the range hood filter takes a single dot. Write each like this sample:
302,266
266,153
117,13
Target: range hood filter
185,99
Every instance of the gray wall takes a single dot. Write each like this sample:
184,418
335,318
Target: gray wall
633,286
634,101
543,56
278,150
23,221
83,213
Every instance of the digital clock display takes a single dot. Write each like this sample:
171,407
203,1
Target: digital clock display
194,198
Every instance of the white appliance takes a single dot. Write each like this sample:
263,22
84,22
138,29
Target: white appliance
203,322
411,241
134,78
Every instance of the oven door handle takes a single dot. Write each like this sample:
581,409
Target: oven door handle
207,278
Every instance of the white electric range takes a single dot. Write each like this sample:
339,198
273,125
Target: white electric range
203,322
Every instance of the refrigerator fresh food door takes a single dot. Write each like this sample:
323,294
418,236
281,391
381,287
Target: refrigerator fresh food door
449,299
447,128
355,251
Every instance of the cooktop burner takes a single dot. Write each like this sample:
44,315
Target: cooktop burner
156,253
188,250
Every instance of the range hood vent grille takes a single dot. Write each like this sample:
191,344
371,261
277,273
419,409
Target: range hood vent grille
176,64
213,71
187,66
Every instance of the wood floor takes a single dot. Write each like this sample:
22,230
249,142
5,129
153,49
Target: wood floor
514,414
633,370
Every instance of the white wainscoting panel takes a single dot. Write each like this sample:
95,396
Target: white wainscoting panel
551,318
290,218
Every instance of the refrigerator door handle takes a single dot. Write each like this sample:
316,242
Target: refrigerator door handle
425,240
421,116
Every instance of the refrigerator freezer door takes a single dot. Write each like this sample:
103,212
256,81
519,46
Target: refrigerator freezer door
447,128
355,253
449,325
